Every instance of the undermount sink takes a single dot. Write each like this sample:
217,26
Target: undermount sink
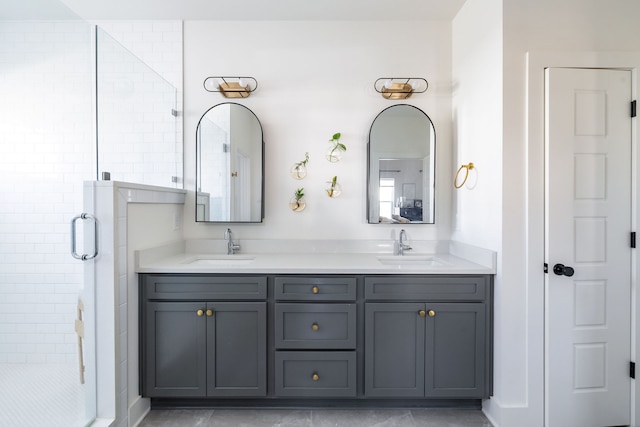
410,260
221,260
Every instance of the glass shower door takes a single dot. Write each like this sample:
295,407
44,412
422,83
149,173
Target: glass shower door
46,152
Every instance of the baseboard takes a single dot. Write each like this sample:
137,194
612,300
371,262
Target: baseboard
138,410
502,415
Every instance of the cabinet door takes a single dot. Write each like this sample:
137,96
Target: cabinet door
455,350
174,337
237,349
394,350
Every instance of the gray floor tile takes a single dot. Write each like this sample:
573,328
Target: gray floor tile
449,418
260,418
362,418
177,418
316,418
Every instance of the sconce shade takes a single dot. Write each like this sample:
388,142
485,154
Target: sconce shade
231,87
400,87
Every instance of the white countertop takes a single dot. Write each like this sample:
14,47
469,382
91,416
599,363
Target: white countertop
315,257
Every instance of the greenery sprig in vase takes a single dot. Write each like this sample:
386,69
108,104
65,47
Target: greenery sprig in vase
299,169
297,203
334,154
333,188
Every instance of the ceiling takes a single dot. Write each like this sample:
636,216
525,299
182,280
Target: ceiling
232,10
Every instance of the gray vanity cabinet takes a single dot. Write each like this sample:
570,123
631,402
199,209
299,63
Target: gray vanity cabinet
202,348
292,339
419,344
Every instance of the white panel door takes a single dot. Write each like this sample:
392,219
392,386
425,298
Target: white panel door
588,253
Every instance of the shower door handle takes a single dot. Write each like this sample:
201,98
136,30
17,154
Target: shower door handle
74,254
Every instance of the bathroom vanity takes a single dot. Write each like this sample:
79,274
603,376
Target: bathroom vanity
263,333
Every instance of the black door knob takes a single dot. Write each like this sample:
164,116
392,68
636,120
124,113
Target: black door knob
562,270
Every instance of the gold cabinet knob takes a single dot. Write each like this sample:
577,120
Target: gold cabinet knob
209,313
199,313
315,376
432,313
315,327
315,290
422,313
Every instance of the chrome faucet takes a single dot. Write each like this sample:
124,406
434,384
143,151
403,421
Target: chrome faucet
231,247
402,246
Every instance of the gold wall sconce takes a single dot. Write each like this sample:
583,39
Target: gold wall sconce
467,168
231,87
400,87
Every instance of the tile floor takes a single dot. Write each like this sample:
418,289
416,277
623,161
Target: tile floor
315,418
37,395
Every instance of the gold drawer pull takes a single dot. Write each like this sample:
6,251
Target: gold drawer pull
422,313
209,313
432,313
315,290
315,327
199,313
315,376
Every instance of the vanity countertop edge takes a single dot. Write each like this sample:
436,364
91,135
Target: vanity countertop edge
314,257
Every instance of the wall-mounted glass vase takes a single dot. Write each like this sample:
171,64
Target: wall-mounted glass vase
337,149
299,169
297,203
332,188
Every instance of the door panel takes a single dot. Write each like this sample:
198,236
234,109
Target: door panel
455,364
175,350
237,349
588,223
394,350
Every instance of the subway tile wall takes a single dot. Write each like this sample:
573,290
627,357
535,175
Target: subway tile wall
47,150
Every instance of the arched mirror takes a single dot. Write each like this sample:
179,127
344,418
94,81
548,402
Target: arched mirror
401,167
229,165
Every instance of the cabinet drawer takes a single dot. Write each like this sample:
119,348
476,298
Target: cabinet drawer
315,373
315,288
315,326
432,288
204,287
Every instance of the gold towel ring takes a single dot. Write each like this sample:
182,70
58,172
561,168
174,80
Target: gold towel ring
467,168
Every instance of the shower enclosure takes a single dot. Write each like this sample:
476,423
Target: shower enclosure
76,103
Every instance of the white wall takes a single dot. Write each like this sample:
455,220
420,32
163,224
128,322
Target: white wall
541,26
316,79
477,117
149,225
478,216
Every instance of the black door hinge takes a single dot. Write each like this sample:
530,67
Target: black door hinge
633,239
633,108
546,267
632,369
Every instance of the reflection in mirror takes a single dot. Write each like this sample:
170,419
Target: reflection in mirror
401,167
229,165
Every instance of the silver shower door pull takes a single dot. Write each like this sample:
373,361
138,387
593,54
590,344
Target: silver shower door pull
74,254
